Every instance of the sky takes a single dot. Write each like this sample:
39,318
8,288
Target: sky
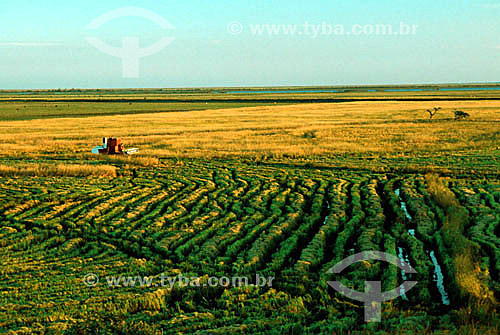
43,44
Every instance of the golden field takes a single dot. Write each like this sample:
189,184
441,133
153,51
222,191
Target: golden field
305,130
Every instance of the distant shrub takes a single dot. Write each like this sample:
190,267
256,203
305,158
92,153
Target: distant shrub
461,115
309,134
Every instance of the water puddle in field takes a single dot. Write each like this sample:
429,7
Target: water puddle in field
403,206
326,217
403,256
438,277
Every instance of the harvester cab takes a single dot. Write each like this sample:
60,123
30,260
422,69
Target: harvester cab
113,146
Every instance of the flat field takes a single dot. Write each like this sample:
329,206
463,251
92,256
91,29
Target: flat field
260,184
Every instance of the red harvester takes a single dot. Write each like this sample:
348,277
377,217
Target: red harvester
113,146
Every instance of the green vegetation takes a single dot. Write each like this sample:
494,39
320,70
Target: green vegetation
204,218
27,110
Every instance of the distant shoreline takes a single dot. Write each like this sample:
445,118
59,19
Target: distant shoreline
220,89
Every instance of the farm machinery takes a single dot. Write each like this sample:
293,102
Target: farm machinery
113,146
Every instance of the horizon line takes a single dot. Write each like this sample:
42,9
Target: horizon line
488,83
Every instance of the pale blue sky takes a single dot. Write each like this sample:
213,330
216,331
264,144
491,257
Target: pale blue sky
42,43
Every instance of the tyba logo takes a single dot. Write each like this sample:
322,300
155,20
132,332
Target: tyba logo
130,52
373,295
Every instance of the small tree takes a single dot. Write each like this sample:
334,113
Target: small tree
433,112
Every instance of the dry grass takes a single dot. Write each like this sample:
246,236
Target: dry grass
274,131
471,280
61,170
442,194
133,161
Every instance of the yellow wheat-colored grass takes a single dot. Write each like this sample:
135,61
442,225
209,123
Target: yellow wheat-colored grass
134,160
61,170
274,131
469,277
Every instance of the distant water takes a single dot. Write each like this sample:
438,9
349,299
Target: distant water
257,91
284,91
312,90
470,89
407,90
